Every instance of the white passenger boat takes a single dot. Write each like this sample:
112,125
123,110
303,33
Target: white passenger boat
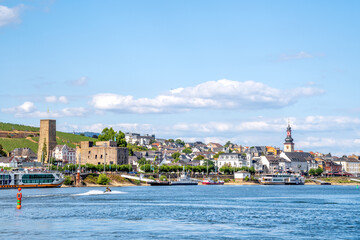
184,179
282,179
25,179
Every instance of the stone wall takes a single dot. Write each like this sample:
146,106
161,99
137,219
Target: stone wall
102,151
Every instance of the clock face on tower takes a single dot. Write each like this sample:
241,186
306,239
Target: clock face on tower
288,133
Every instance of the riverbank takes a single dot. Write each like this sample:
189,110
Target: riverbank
240,183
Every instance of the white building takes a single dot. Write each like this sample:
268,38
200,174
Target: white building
350,165
241,175
65,154
297,161
232,160
135,138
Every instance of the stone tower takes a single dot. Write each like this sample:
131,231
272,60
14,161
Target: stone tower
47,136
289,144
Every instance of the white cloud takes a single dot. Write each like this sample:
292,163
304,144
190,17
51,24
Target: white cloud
315,142
54,99
10,15
124,127
51,99
28,109
221,94
300,55
80,82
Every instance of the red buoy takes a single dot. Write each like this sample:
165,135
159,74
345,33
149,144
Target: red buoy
18,196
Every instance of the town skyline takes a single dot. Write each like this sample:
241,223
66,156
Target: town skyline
205,70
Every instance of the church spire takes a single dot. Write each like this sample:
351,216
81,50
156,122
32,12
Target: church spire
288,145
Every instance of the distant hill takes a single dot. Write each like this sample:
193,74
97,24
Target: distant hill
21,136
87,134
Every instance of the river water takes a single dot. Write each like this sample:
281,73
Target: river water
183,212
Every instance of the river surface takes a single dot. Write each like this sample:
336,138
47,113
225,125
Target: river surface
183,212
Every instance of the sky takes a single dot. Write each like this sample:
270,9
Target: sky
210,70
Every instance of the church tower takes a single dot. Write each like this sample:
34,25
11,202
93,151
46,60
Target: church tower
288,145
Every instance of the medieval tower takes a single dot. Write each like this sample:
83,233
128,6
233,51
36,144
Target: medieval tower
289,141
47,137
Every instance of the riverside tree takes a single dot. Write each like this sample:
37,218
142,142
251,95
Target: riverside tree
108,134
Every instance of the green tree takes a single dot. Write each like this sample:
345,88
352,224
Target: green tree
2,153
226,169
120,139
52,160
312,172
108,134
143,161
44,153
187,151
180,142
164,168
171,140
68,180
163,178
175,155
319,171
227,144
216,156
135,148
199,157
146,168
103,179
209,166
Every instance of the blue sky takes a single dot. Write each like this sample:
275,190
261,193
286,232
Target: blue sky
196,70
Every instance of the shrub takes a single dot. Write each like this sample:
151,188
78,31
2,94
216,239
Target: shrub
68,180
91,179
163,178
103,179
246,179
227,180
137,182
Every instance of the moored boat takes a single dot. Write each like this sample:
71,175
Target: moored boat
210,181
184,179
282,179
27,179
160,183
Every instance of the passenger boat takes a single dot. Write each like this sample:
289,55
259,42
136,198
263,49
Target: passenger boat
25,179
282,179
184,179
210,181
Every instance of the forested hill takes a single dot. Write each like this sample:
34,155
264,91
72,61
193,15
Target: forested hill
20,136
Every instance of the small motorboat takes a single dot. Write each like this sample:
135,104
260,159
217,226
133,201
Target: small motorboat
210,181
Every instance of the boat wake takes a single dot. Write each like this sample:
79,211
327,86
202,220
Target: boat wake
97,192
